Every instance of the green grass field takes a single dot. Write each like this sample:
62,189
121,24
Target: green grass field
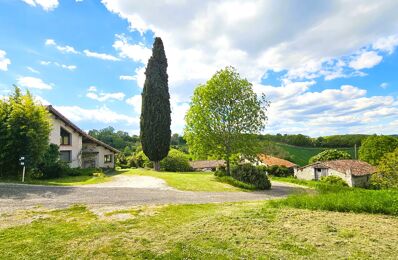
249,230
189,181
301,155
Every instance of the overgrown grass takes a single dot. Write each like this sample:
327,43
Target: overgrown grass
190,181
301,155
334,198
231,181
250,230
293,180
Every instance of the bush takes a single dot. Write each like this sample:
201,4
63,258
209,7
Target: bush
386,176
142,160
176,161
250,174
51,167
334,180
231,181
279,171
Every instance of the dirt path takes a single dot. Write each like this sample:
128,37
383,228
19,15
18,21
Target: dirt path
137,182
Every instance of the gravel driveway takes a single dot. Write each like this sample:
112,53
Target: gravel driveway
22,196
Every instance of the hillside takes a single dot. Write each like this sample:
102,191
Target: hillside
301,155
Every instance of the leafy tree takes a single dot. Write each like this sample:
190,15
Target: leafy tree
386,176
375,147
25,128
224,116
329,155
117,139
155,113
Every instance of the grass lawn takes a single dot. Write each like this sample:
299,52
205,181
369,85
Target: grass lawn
209,231
189,181
301,155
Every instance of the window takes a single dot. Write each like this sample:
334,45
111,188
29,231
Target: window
66,138
65,156
108,158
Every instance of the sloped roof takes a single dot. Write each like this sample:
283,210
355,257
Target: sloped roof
207,164
358,168
56,113
271,160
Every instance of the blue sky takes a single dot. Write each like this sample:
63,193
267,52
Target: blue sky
328,67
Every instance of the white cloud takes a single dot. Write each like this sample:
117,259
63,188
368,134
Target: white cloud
68,67
4,62
209,35
136,102
33,70
102,115
126,77
32,82
302,40
386,44
366,60
63,49
101,56
47,5
140,76
102,97
135,52
384,85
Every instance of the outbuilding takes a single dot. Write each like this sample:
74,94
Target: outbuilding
356,173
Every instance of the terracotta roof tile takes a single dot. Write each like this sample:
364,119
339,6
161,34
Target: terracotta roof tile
207,164
358,168
270,161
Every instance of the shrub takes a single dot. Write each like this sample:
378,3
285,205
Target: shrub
176,161
329,155
50,166
334,180
231,181
132,162
279,171
143,161
122,161
375,147
386,176
252,175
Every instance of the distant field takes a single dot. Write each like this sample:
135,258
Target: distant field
301,155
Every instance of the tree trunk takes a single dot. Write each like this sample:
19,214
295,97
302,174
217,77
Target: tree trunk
228,169
156,166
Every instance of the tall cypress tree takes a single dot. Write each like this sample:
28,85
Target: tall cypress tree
155,113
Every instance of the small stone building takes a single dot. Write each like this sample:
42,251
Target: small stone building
269,160
207,165
356,173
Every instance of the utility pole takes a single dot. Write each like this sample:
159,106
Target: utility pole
355,148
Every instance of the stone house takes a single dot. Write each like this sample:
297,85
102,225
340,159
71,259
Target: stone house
356,173
77,147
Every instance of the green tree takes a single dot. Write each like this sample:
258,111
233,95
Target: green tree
224,116
386,176
330,155
155,113
375,147
26,126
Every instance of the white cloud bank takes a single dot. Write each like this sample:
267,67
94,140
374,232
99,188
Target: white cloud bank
303,40
4,61
102,56
61,48
32,82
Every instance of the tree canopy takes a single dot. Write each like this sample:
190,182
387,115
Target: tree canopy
155,113
24,131
375,147
387,175
330,155
224,116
